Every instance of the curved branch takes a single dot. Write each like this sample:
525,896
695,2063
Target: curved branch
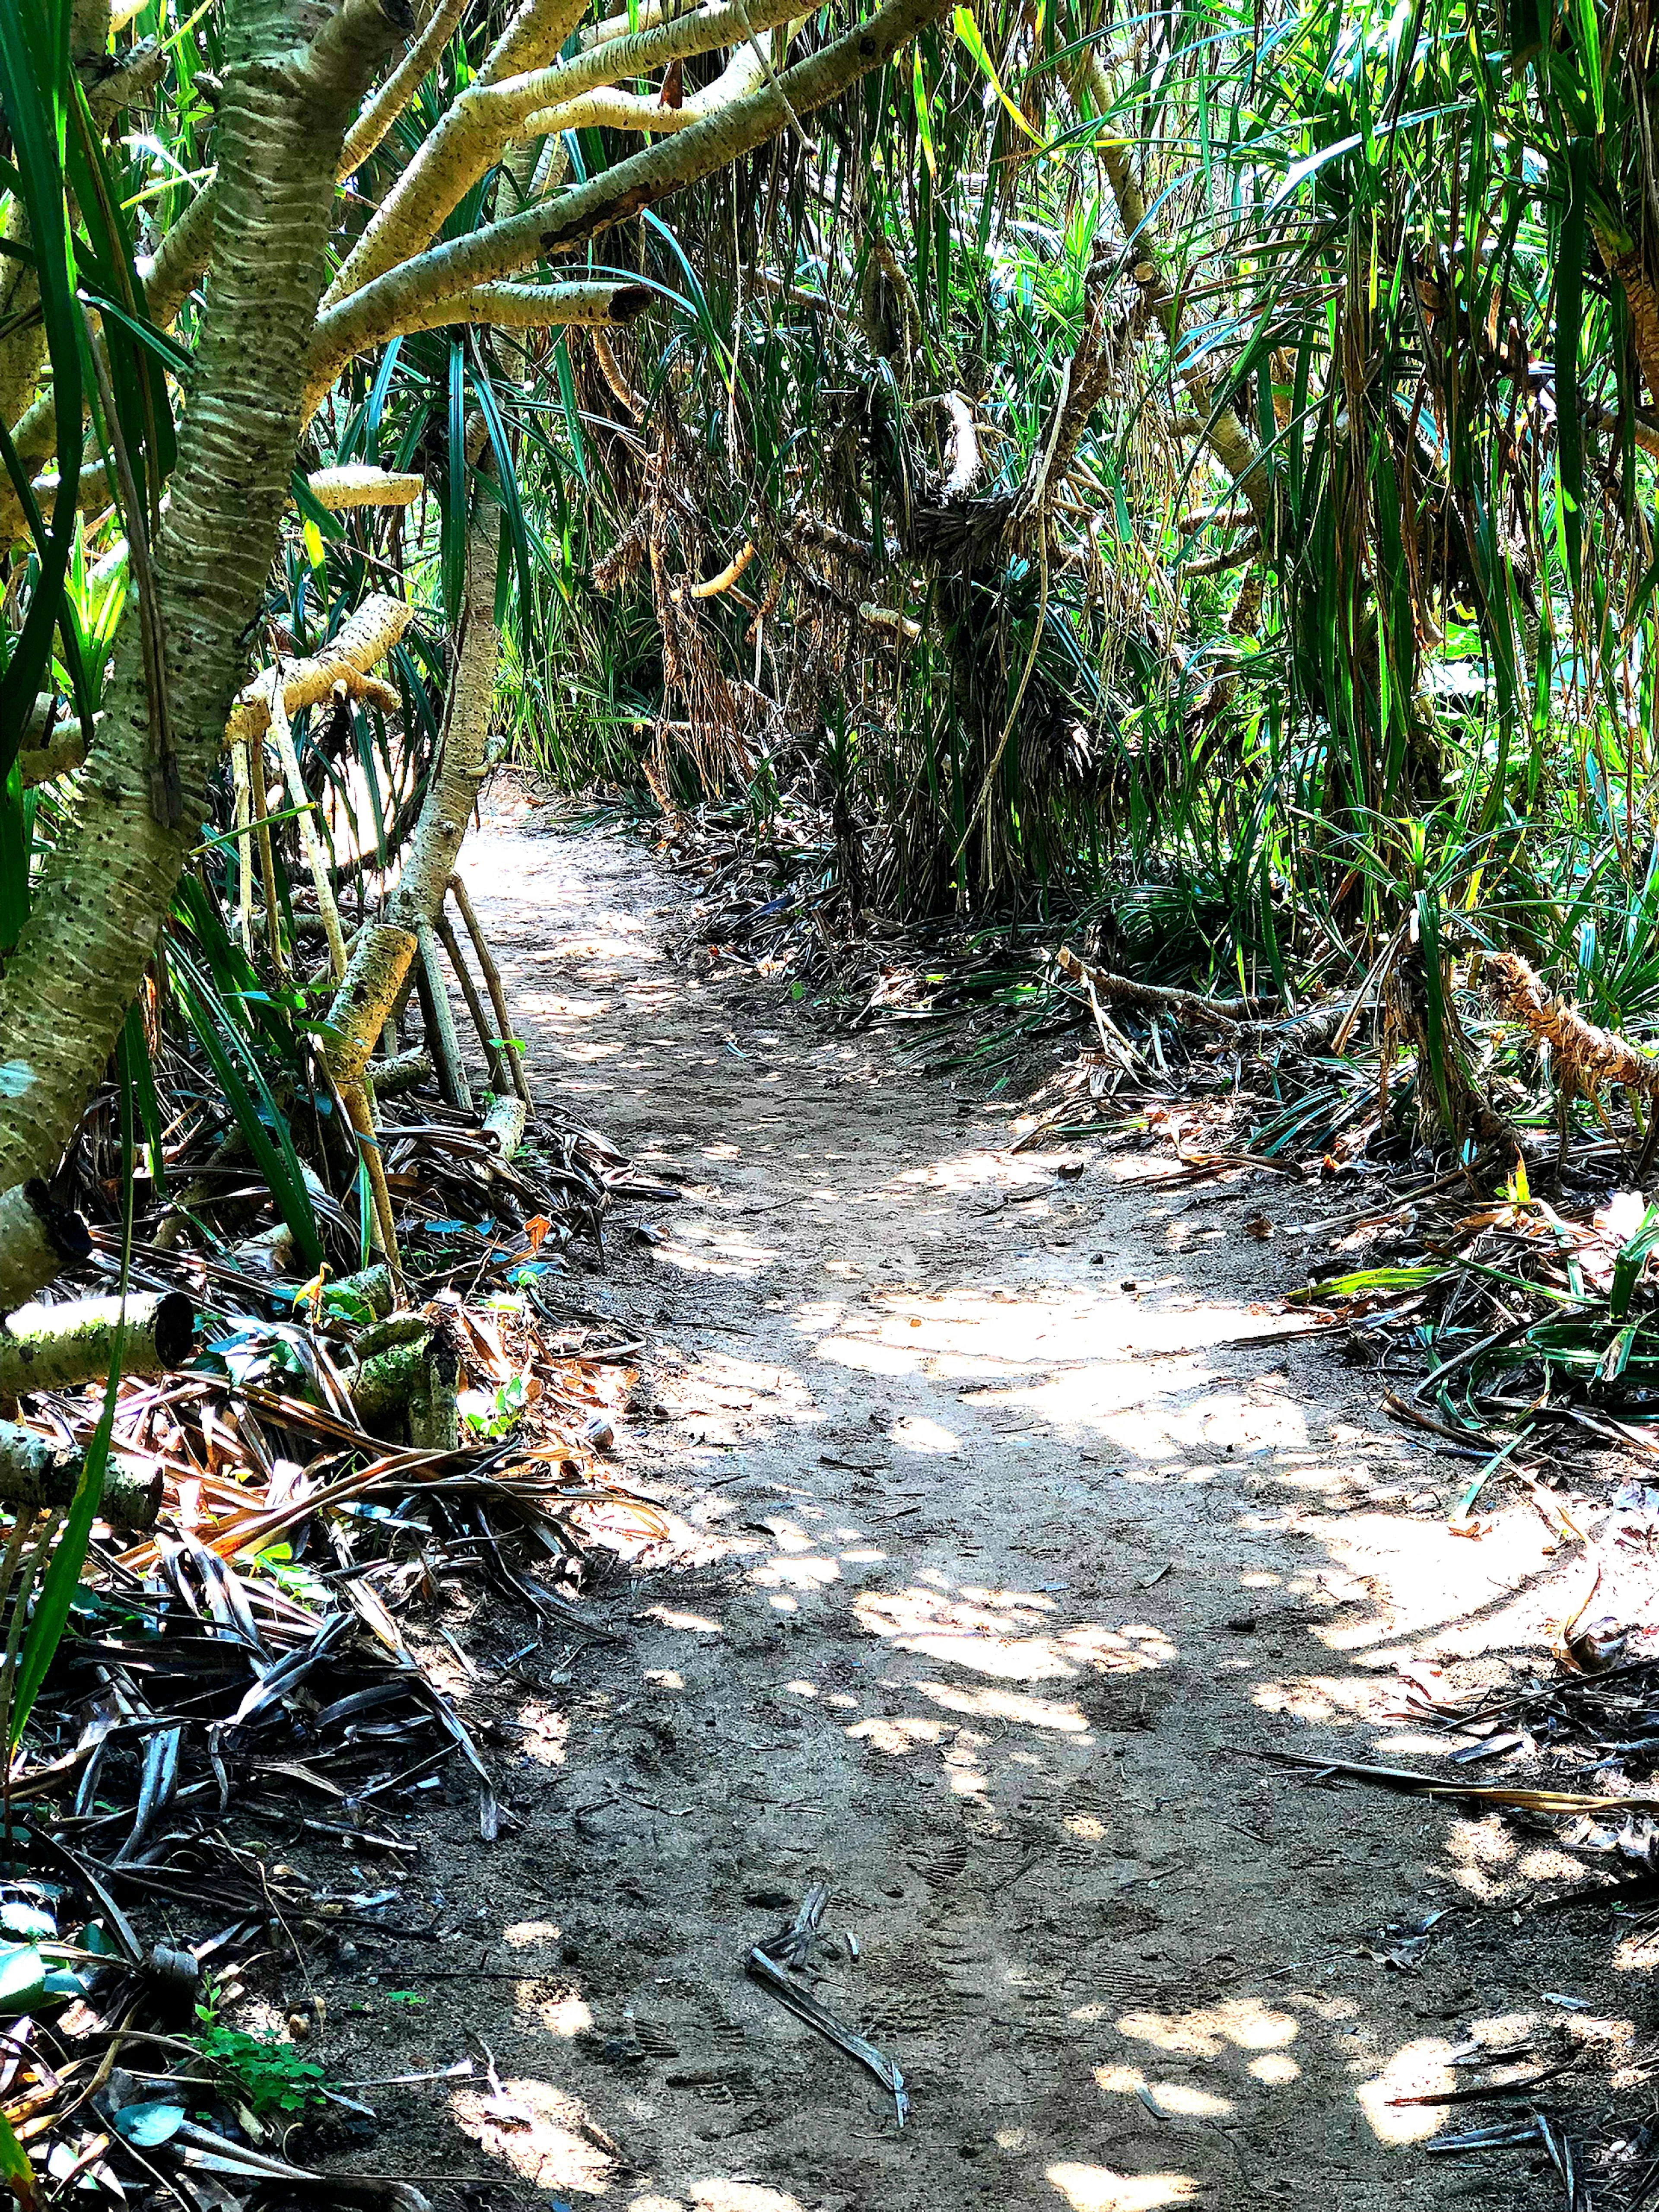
469,138
611,110
520,103
503,248
363,639
389,101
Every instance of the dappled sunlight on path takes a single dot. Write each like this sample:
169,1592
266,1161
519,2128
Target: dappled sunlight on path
1005,1517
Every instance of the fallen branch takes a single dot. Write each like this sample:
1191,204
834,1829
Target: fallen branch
505,1123
34,1475
383,1385
1412,1785
53,743
1225,1015
60,1348
441,1040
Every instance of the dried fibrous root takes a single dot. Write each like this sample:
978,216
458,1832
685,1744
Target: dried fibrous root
365,639
763,612
625,557
621,390
963,458
1586,1058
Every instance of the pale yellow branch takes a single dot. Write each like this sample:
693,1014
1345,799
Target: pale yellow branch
713,142
386,104
640,53
316,856
242,786
472,135
336,489
506,307
367,638
898,627
728,575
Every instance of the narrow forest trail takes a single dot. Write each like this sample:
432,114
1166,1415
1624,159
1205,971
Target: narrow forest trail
1008,1510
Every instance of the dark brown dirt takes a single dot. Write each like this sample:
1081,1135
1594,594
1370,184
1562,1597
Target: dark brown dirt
1008,1512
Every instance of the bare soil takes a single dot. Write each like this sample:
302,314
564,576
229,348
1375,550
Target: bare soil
1009,1509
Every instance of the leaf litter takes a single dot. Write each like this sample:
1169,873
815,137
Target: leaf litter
243,1675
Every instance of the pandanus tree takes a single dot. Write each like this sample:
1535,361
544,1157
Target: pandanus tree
342,196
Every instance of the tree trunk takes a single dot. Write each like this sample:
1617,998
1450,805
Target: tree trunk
98,911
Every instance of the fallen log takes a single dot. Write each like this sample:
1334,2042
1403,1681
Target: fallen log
35,1475
60,1348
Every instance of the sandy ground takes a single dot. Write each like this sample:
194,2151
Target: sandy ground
1010,1512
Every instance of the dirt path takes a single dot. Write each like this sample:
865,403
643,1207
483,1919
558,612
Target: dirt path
1003,1515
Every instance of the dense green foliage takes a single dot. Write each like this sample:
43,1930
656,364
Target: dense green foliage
1409,247
1294,586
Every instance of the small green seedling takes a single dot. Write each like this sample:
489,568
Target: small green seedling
268,2075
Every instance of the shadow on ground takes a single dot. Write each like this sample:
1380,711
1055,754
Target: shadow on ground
1008,1514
